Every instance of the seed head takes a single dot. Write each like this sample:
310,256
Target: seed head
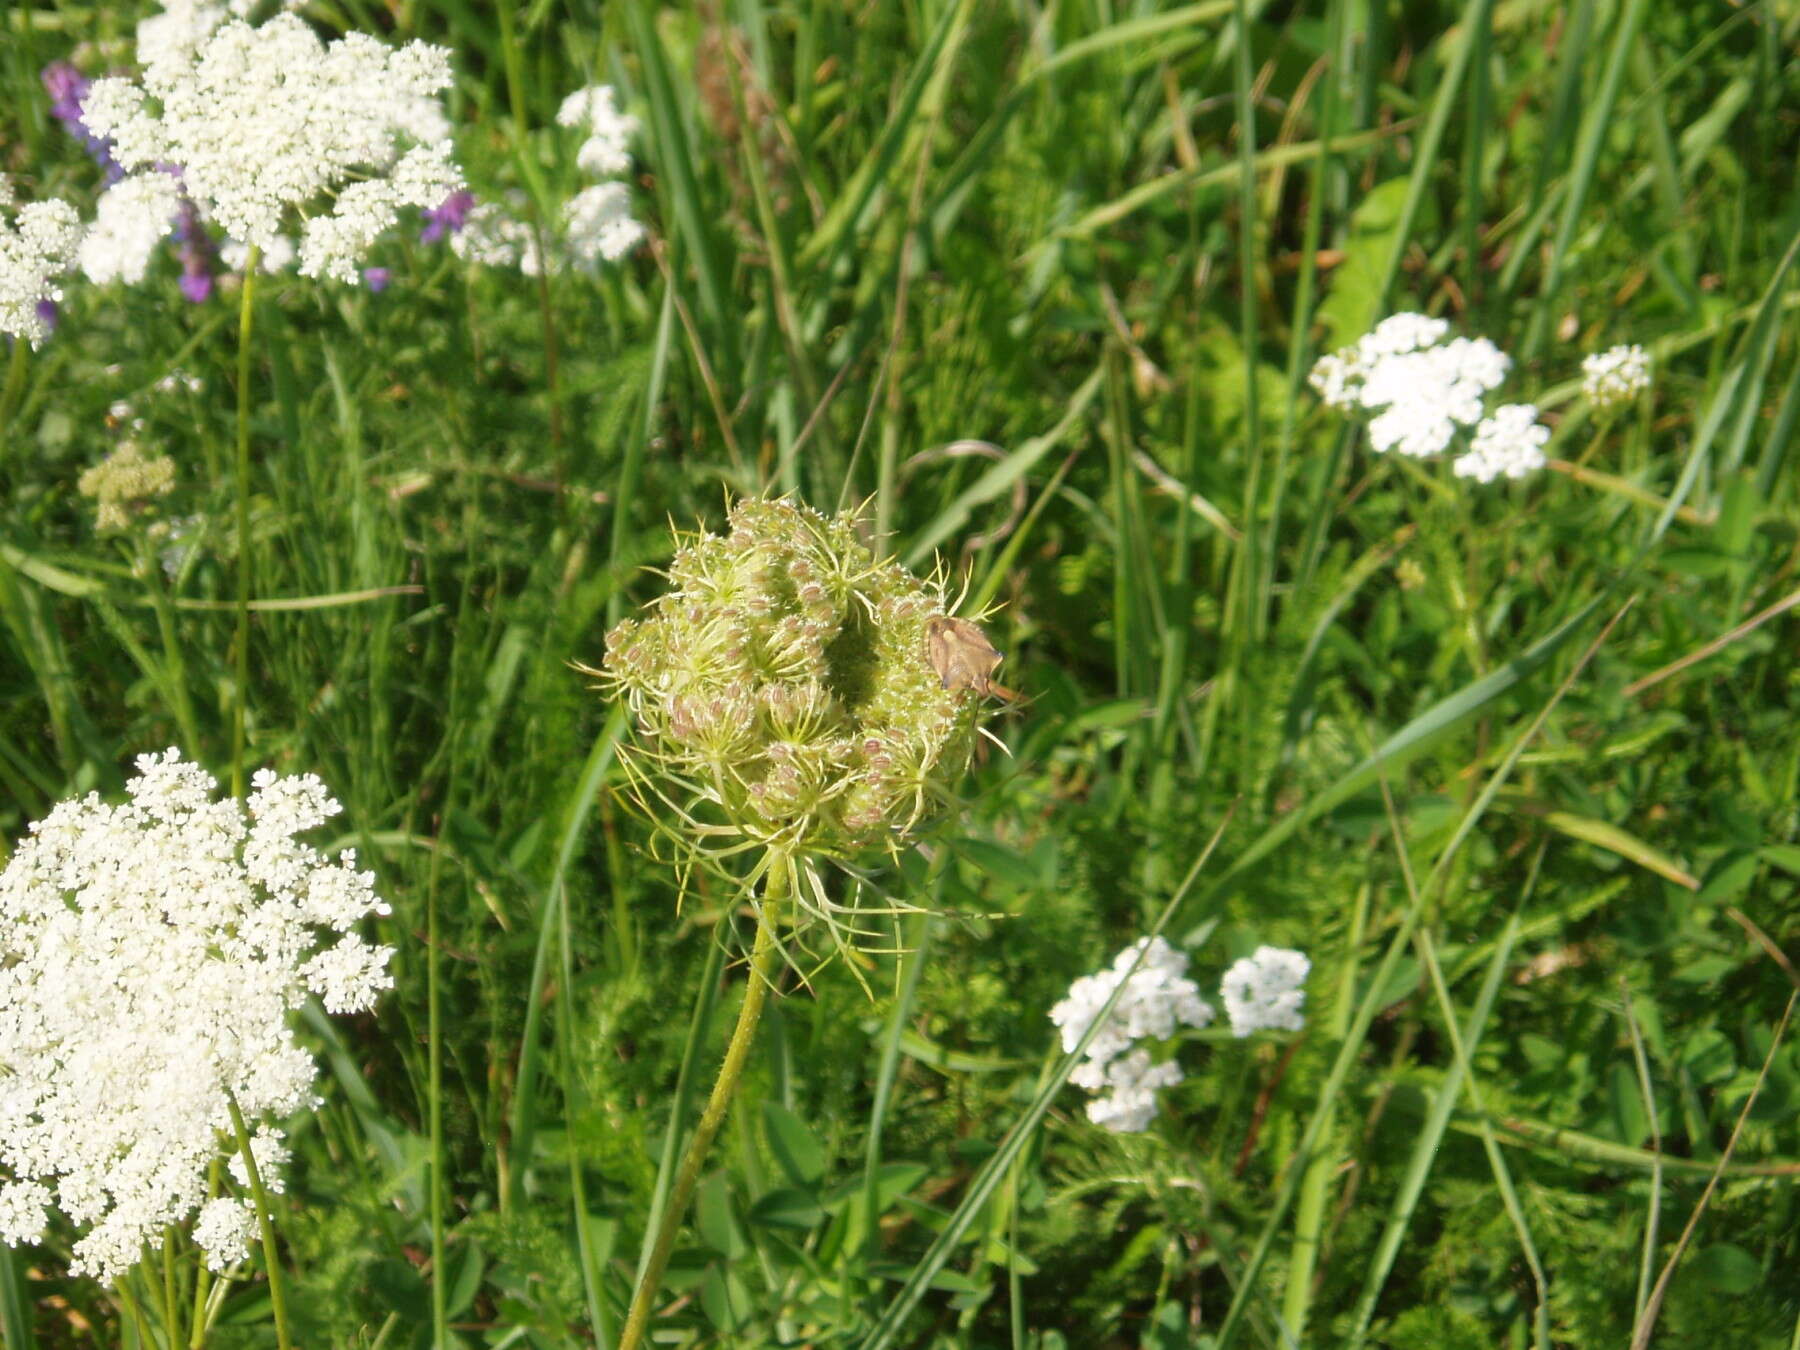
781,689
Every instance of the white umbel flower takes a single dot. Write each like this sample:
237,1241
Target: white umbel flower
133,217
1266,991
150,954
1616,375
224,1231
1338,378
265,121
597,223
605,153
1420,389
1509,444
36,247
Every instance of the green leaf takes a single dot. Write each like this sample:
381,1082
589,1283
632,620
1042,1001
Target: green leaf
787,1207
1726,1268
1729,877
796,1151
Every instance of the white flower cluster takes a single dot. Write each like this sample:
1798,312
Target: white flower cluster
1156,998
492,236
132,218
1508,444
36,247
1423,391
1615,376
264,121
597,224
605,153
150,954
1265,991
597,221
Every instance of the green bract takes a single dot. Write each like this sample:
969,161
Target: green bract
782,690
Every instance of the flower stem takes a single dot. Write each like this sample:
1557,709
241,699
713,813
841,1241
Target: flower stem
171,1305
271,1258
762,969
241,649
15,381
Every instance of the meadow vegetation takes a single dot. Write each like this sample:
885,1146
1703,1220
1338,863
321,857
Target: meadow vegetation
1035,291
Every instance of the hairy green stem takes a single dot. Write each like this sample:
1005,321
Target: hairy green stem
264,1221
241,648
762,970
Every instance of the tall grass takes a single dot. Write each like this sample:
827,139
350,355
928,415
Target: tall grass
1041,285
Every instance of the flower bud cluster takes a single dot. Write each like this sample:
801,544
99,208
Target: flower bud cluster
150,955
1615,376
1262,992
124,482
783,686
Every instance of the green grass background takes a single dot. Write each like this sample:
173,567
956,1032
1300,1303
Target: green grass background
1040,282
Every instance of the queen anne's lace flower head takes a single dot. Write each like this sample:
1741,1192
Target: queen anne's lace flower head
1266,991
150,954
1615,376
36,246
265,121
783,689
134,215
1509,444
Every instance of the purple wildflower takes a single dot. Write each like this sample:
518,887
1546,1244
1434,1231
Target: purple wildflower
67,87
377,278
196,253
47,311
448,218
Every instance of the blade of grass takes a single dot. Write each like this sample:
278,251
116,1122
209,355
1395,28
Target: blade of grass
602,756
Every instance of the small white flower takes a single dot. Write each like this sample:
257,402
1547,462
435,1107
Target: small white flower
224,1231
1130,1104
271,1156
1156,999
277,256
1420,389
493,237
22,1212
134,215
1266,991
1616,375
36,247
605,153
598,223
1510,443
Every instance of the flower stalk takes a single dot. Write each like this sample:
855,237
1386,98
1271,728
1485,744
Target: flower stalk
763,957
265,1223
241,648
